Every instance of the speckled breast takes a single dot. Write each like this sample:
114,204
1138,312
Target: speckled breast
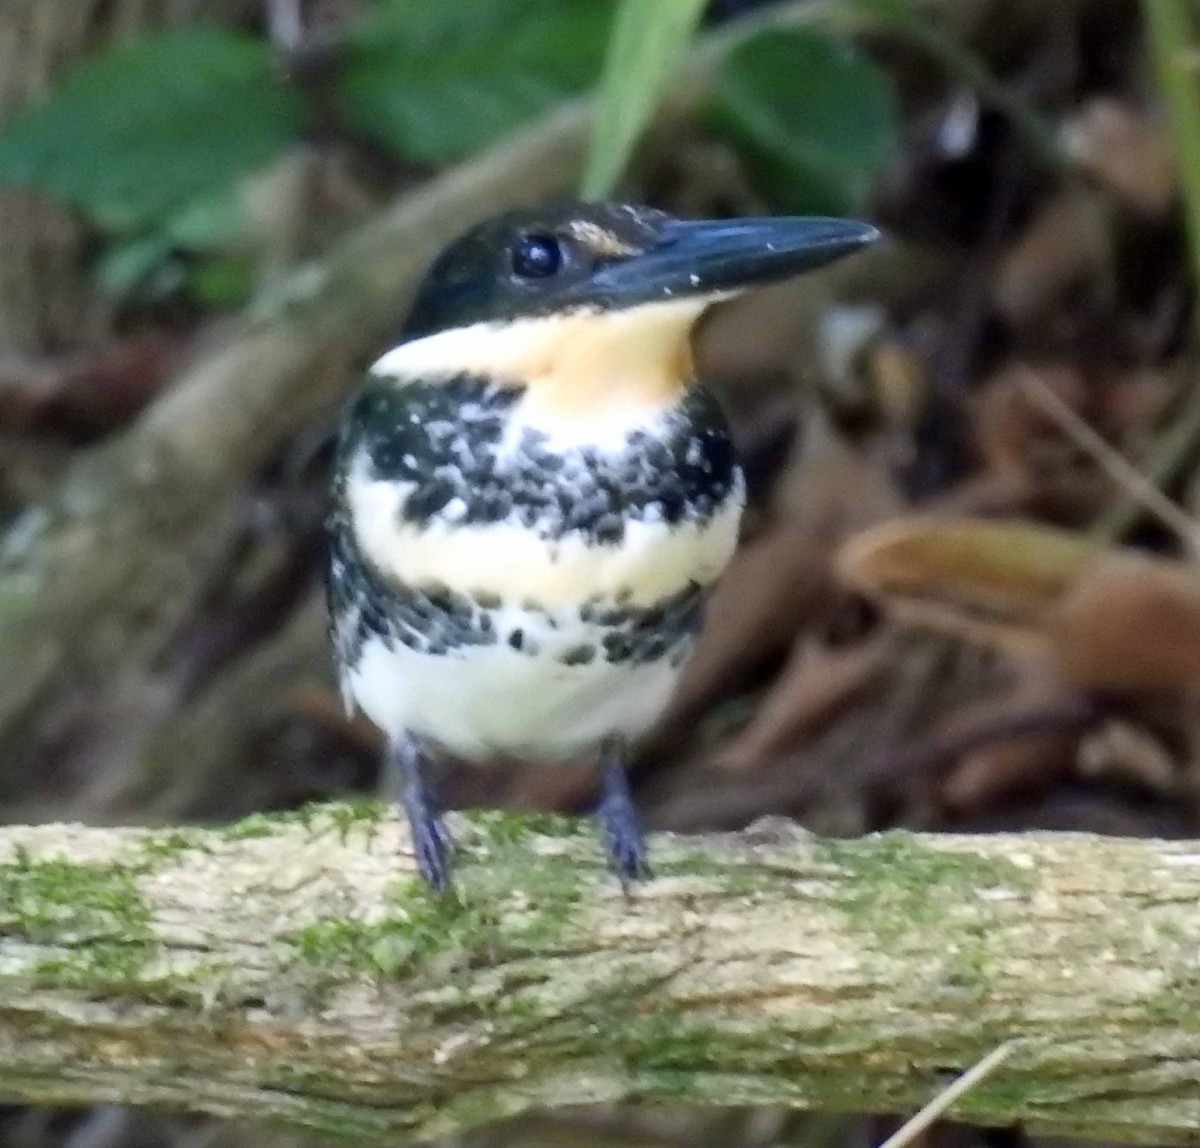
497,591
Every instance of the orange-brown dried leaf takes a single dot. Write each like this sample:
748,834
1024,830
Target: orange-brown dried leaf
1129,622
991,581
1015,739
831,489
96,393
1106,619
816,682
1013,765
1127,751
318,705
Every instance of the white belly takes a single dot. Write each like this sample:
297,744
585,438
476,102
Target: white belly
484,701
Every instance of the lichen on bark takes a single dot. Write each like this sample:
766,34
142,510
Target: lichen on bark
292,968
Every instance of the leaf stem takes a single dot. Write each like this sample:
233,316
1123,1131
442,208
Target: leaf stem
1171,32
646,46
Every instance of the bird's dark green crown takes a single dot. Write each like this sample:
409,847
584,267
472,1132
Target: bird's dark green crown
538,261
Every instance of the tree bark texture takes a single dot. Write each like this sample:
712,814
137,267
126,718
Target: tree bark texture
45,303
291,969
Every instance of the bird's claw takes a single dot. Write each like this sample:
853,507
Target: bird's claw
619,821
431,842
623,839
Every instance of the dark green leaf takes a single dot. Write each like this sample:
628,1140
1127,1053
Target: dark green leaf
223,282
141,130
434,80
816,121
214,222
126,267
887,10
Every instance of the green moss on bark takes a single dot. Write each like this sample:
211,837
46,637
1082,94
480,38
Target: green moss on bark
93,915
485,912
341,817
896,882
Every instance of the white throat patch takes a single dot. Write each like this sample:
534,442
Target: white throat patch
580,369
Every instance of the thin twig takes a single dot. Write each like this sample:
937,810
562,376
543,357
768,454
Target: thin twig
936,1107
1131,480
1163,461
285,24
1171,35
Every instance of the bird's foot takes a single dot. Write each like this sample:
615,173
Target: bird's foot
432,844
620,825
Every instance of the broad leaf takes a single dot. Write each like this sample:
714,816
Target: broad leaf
148,264
140,131
816,121
648,41
126,267
434,80
214,222
225,281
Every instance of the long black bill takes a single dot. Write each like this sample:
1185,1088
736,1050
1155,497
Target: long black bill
711,256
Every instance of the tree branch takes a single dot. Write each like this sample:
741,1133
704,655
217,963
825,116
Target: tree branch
291,969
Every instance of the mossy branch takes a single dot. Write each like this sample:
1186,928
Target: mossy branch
291,969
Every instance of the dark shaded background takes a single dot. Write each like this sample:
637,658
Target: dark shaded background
923,377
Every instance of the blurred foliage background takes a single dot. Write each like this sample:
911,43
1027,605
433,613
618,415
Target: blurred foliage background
967,595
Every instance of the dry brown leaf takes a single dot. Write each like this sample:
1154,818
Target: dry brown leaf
1125,151
759,605
1105,619
816,682
90,394
1026,700
988,581
830,489
1010,766
1129,622
1126,751
1065,243
316,704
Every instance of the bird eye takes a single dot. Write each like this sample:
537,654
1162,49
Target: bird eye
537,257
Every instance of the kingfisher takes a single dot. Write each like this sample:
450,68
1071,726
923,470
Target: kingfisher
532,496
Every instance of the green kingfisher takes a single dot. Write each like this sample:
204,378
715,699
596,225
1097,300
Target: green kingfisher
532,496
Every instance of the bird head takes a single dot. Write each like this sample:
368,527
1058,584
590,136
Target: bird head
581,300
609,257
